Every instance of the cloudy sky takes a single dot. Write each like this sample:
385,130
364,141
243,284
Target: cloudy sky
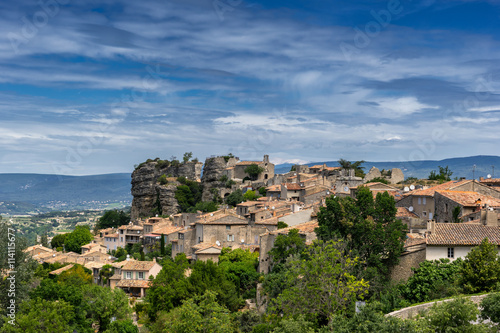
89,87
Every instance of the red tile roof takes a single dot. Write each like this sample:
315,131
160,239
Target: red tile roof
463,234
404,212
124,283
292,186
470,199
138,265
441,187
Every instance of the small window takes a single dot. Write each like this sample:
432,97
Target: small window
181,236
230,238
451,252
228,227
129,275
419,201
141,275
424,213
446,208
424,200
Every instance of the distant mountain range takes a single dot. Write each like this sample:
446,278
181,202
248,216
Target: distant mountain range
35,193
460,166
21,193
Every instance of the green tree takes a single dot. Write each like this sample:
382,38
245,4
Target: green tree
112,219
455,316
122,326
39,315
162,244
262,191
369,227
235,198
187,156
240,267
443,175
480,270
380,180
169,288
188,194
200,314
102,304
322,285
358,169
44,240
58,241
13,258
287,245
491,308
431,280
210,276
78,237
253,171
457,211
294,325
250,195
162,180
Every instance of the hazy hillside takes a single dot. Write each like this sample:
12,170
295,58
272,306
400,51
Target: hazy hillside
461,166
62,192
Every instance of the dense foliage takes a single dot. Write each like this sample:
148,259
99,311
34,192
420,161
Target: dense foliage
370,229
112,219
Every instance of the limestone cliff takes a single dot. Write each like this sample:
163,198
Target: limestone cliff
149,194
213,170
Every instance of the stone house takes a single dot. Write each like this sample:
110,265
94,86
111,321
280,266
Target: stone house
291,191
345,181
377,187
455,240
273,192
130,234
469,202
238,170
135,276
223,228
92,247
493,182
267,239
206,251
37,250
421,201
110,241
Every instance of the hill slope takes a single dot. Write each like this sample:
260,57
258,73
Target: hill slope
461,166
65,192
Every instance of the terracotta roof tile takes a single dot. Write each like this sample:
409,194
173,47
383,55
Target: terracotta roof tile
470,199
441,187
124,283
463,234
62,269
404,212
292,186
138,265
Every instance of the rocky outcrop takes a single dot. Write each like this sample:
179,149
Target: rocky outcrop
149,194
393,176
213,170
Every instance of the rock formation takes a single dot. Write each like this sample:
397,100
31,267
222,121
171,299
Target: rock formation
213,170
148,193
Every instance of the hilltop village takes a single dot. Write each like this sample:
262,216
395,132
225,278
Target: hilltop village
200,211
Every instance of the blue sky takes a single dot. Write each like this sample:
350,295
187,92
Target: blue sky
98,86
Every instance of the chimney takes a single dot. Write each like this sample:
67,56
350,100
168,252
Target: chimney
431,226
154,259
491,218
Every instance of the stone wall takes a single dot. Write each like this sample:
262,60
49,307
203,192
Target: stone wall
413,311
444,208
407,261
